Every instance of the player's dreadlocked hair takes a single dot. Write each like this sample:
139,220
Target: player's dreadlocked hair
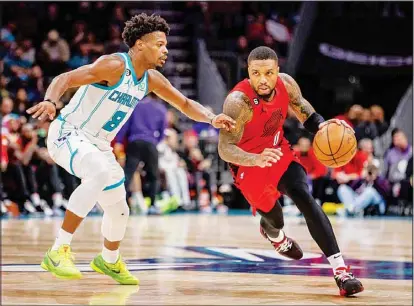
142,24
262,53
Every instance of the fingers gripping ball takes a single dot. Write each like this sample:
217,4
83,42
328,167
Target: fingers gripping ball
334,145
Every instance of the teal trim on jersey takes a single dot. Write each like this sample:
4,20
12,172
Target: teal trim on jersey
77,106
131,67
69,147
60,118
71,161
115,185
100,86
72,156
95,109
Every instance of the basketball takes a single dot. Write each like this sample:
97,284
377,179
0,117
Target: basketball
334,145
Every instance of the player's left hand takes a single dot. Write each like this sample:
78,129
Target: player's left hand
43,110
337,121
222,121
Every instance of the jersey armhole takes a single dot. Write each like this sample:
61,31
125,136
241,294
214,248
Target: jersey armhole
121,55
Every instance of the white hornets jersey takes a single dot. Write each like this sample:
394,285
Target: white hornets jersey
100,110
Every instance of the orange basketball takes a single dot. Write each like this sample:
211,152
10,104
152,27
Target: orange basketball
334,145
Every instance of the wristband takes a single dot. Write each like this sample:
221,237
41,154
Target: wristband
313,122
48,100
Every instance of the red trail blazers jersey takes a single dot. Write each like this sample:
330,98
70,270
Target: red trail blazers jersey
265,130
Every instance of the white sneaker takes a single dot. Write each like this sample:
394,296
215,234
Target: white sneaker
3,207
207,209
46,209
30,207
222,209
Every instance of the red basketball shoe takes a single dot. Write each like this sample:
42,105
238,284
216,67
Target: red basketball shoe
348,285
287,247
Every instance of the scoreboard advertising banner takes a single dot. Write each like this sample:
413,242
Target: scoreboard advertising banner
360,47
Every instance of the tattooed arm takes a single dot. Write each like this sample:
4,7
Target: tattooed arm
238,107
300,106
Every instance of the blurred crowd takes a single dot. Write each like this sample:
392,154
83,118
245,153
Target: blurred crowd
370,184
169,165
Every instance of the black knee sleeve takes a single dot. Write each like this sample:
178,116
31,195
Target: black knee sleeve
273,218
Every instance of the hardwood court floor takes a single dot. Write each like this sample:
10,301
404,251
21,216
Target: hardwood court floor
200,259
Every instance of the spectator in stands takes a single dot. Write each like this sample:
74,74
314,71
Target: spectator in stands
21,104
406,190
115,43
353,115
377,113
397,157
36,85
7,106
315,170
174,168
80,58
7,32
256,29
15,180
57,53
29,52
143,131
78,34
15,66
52,20
243,48
352,170
366,128
198,167
370,189
119,15
172,120
3,87
92,44
367,146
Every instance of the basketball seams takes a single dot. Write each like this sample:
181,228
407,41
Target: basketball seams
342,154
329,144
342,139
316,142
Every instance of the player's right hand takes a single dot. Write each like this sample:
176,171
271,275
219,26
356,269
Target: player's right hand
268,157
43,110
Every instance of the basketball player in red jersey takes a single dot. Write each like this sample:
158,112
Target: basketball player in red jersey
264,165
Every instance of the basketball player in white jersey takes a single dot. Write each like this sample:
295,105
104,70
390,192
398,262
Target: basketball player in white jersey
79,138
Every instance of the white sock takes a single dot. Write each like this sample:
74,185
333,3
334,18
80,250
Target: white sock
336,261
110,256
63,237
279,238
35,199
57,199
138,196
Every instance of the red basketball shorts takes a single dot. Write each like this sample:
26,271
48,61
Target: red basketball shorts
259,185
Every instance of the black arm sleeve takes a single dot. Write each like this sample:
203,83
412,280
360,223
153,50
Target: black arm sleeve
312,123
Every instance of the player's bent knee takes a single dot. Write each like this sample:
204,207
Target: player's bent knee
115,221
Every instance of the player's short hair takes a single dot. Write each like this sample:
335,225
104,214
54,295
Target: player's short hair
262,53
142,24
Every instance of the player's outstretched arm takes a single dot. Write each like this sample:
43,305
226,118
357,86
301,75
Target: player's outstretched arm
159,85
238,107
303,110
107,68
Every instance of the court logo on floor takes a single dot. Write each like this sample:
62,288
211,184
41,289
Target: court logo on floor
243,260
